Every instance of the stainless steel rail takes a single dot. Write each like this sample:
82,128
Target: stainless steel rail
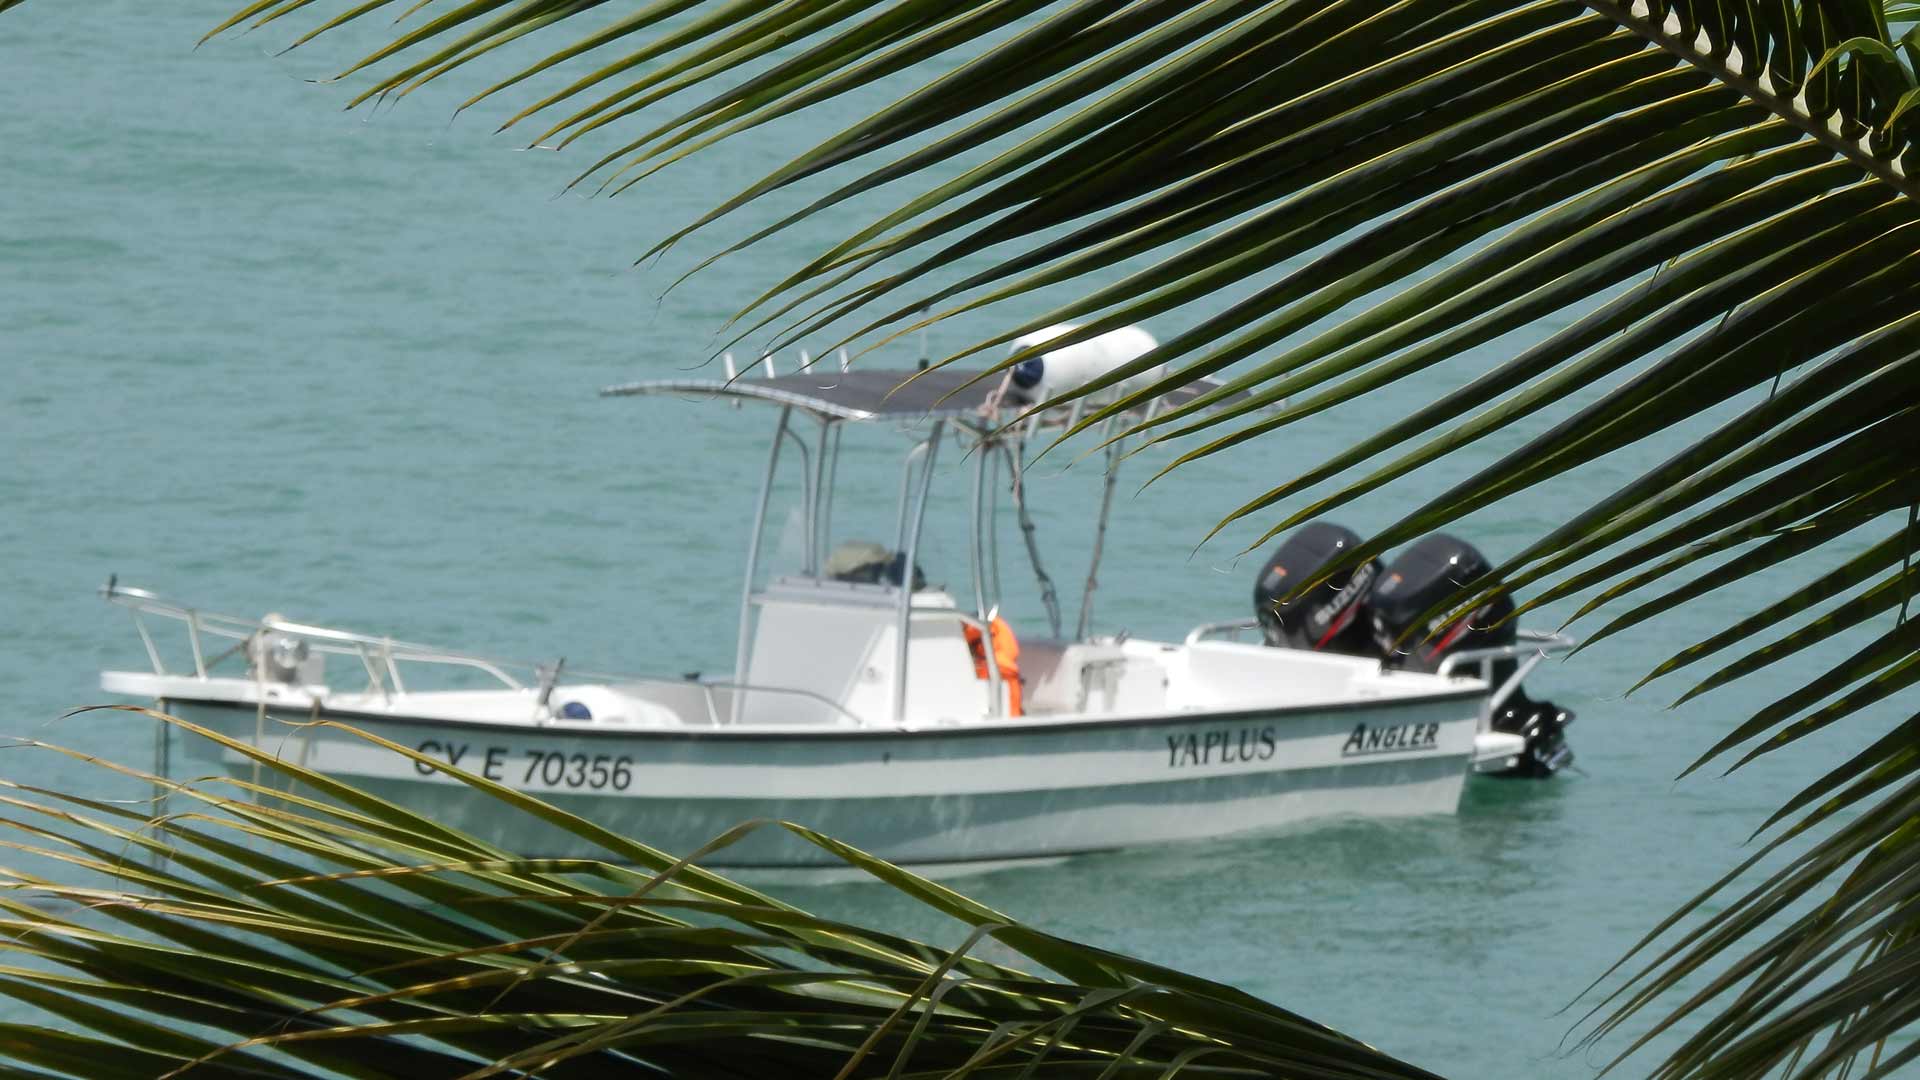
1532,647
381,657
1533,643
1230,629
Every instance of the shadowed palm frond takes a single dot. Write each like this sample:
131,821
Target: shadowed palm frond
298,924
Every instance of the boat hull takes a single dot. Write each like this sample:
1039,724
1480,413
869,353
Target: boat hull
982,792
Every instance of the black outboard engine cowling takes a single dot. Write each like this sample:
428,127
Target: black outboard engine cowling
1427,573
1434,568
1333,616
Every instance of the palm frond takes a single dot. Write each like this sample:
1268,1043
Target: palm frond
299,924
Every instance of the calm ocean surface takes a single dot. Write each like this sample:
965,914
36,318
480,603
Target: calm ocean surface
259,354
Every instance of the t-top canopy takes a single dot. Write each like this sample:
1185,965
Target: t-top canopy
939,394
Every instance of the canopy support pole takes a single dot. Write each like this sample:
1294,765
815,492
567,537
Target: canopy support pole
743,649
904,620
906,494
826,472
807,492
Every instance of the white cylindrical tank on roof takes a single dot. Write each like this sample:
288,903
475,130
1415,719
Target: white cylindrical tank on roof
1059,370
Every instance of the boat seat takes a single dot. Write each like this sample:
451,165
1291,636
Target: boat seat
830,645
1090,676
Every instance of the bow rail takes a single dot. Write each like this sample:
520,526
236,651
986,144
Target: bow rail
381,657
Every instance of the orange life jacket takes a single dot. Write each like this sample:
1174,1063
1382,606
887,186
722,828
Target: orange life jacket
1006,656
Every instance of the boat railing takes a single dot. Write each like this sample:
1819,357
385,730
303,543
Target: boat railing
1532,644
1533,647
716,714
382,657
1226,629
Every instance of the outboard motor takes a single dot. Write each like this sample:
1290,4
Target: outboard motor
1432,569
1333,616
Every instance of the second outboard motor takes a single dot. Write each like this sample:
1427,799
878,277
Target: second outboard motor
1333,616
1423,575
1434,568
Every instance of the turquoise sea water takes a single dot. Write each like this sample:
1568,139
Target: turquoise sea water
260,354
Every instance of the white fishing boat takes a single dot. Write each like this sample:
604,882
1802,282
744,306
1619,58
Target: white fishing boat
863,702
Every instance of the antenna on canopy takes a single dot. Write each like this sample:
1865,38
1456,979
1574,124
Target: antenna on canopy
845,360
767,360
